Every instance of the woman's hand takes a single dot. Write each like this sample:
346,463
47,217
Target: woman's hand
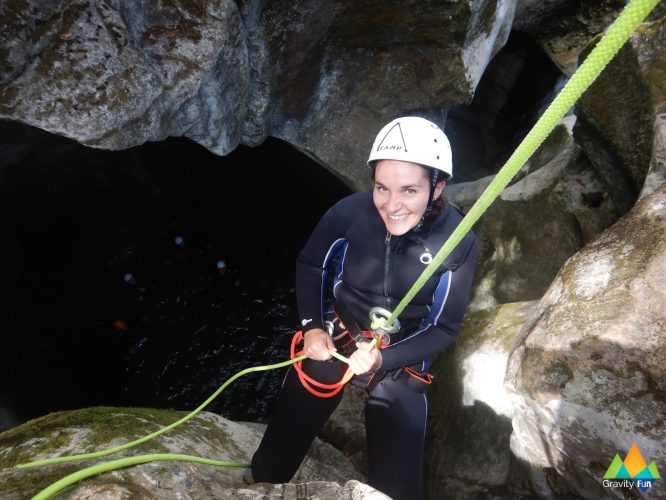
316,344
364,360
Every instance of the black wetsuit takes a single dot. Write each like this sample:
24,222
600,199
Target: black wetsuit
351,251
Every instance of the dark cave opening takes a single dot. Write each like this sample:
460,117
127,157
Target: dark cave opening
147,277
516,88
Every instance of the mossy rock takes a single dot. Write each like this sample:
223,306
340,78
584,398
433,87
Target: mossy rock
101,428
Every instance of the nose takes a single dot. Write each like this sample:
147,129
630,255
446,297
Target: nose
393,203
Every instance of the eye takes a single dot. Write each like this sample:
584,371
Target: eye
380,188
410,191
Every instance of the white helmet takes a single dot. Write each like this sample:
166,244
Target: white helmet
416,140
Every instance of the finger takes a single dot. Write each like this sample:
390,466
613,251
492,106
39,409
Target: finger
364,346
322,352
330,344
355,367
359,362
318,352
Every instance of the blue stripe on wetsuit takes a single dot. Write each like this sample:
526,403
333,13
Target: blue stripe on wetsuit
334,250
439,299
435,311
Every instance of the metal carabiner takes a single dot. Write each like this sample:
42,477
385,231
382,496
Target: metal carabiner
378,317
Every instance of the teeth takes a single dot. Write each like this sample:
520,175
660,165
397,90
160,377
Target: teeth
397,217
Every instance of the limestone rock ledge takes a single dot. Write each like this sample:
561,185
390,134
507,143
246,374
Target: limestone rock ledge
207,435
587,367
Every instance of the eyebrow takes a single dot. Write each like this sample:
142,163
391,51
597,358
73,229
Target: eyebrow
408,186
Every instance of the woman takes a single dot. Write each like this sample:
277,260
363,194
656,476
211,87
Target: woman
373,247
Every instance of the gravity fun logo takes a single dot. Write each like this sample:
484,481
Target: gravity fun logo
633,471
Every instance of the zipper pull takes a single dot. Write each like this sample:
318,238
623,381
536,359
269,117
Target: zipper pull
387,240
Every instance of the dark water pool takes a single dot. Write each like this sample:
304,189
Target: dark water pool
148,277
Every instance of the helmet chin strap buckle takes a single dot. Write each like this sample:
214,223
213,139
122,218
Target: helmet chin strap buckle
378,324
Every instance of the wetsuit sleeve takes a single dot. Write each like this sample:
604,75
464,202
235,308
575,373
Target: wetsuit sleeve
441,330
314,261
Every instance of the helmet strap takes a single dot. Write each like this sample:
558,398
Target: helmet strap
434,179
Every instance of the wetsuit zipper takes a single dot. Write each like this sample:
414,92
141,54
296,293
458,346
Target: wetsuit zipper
387,266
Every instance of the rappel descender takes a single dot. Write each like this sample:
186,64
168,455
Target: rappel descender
379,328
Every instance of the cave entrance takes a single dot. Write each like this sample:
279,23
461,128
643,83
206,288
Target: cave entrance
148,276
517,86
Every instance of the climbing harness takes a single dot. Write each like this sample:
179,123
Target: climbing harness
618,33
344,337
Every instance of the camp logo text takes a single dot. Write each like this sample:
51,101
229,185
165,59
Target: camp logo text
630,472
394,140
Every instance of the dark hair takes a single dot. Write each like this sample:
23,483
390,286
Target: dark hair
437,209
437,205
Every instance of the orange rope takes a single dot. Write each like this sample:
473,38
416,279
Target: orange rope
308,381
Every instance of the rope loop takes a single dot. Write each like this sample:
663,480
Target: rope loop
307,381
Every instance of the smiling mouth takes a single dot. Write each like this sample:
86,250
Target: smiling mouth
397,218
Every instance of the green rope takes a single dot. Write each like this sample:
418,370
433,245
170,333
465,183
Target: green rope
140,459
110,451
619,32
93,470
77,476
338,356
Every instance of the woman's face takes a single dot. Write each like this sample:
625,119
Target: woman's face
401,194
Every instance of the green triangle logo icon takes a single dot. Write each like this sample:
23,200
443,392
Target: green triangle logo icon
614,468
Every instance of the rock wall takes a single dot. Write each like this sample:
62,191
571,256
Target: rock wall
468,454
116,74
589,364
325,472
584,375
323,76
